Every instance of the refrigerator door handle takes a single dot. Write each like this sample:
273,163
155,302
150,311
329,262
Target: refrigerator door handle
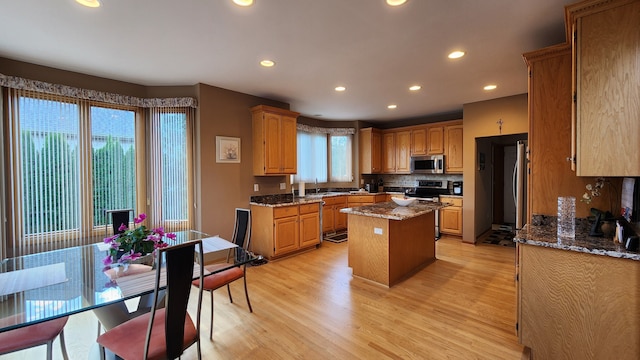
514,181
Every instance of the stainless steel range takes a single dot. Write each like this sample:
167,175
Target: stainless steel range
430,190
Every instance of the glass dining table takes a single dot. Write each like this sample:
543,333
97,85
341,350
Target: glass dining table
48,285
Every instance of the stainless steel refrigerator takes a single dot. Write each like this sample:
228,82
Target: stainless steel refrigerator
520,183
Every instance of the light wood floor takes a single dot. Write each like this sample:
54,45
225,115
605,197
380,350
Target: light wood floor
463,306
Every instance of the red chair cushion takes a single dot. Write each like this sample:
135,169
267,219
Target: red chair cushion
218,280
127,339
30,336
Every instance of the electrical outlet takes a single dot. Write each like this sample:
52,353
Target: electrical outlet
361,181
256,187
283,186
377,231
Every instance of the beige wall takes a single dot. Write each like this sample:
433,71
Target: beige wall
480,120
222,186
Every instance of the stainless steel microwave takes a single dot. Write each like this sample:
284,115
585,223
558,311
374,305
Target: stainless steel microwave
433,164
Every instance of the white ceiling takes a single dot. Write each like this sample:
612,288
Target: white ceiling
376,51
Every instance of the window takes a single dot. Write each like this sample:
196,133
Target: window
324,157
312,157
113,163
341,169
170,167
72,159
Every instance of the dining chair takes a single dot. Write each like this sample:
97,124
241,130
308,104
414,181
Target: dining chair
113,315
242,238
43,333
163,333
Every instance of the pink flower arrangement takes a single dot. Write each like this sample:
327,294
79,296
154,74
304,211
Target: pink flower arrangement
134,243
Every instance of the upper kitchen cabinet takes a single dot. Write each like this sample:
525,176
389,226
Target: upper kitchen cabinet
396,152
453,148
370,151
435,140
427,140
274,141
606,83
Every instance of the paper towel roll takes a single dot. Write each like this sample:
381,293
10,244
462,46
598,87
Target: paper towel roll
301,189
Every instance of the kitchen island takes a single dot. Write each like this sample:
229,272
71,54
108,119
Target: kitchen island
388,243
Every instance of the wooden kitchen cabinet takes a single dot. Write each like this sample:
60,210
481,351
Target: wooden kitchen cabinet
361,200
332,219
550,175
284,230
577,305
451,216
419,141
396,152
606,44
453,149
435,140
309,220
370,151
274,141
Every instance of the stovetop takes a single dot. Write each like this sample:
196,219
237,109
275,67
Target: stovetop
429,189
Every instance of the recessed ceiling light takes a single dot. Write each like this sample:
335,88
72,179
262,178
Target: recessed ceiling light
456,54
396,2
340,88
490,87
267,63
243,2
415,87
89,3
392,106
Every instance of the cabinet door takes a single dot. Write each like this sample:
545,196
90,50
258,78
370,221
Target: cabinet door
285,235
389,152
419,141
435,140
451,220
289,143
453,146
370,151
607,44
340,218
328,224
272,146
309,229
403,152
376,152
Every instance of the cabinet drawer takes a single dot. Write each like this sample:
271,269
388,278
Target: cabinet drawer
335,200
453,200
285,211
309,208
361,199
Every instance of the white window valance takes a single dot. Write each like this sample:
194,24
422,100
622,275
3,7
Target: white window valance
330,131
15,82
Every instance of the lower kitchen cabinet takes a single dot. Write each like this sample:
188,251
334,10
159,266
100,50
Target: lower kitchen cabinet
451,216
361,200
284,230
576,305
332,219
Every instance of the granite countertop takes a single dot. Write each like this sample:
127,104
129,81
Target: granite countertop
279,200
288,199
545,234
392,211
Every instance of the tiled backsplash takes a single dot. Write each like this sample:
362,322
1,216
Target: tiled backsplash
409,180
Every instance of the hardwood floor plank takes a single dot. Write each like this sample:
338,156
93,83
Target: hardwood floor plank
462,306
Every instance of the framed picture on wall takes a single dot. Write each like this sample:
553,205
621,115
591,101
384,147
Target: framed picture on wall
227,149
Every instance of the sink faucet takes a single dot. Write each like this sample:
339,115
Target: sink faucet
317,190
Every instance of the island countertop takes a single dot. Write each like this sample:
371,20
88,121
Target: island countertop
392,211
545,234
